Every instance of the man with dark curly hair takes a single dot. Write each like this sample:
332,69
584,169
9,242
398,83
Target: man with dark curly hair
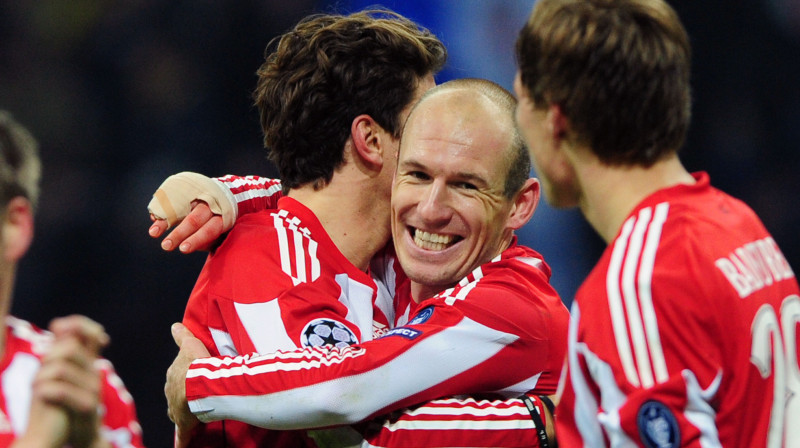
333,95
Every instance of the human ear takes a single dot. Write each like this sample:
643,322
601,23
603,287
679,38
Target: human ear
17,231
556,123
525,204
368,140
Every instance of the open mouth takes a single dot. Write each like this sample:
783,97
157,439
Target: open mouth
433,241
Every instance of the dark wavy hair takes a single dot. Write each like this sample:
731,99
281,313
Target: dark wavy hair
328,70
619,70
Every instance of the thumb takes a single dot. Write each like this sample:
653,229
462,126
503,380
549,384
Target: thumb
187,342
179,333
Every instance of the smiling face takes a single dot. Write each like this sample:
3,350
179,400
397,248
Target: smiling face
449,211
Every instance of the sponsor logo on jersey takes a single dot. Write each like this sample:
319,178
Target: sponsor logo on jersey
658,427
378,329
324,331
422,316
408,333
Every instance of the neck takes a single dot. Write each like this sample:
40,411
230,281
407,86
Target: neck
420,292
7,276
610,193
354,213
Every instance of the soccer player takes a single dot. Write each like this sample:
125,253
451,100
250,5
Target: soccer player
56,390
332,95
481,303
686,331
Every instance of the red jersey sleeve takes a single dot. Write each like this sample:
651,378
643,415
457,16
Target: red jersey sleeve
252,193
120,425
459,342
462,422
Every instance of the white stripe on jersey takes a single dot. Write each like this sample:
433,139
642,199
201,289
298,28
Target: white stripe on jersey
646,293
299,237
526,384
639,241
264,326
17,380
254,190
531,261
223,342
114,380
357,298
699,411
411,372
468,283
40,341
381,269
629,294
312,359
585,404
469,406
615,303
470,424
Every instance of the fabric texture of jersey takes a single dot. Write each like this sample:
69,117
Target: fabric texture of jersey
277,282
25,347
458,421
500,331
685,333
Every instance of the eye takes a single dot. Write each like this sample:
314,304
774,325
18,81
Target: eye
418,175
466,186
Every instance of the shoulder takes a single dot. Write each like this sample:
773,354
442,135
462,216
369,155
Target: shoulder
515,283
24,336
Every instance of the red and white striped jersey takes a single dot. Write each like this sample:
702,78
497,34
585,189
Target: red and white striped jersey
24,349
458,421
500,331
685,333
461,422
252,193
278,282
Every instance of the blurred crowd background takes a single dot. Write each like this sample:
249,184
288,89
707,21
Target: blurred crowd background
120,94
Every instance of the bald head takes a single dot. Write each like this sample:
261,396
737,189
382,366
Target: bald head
476,104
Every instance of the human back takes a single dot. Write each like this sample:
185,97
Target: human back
685,332
670,286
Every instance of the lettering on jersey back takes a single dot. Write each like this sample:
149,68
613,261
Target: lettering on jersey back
754,266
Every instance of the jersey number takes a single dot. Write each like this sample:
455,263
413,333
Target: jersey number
774,351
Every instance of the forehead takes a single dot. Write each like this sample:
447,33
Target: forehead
458,128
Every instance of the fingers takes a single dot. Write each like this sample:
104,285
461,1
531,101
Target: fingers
197,231
68,377
158,228
89,333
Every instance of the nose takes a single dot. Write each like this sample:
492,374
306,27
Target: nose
434,206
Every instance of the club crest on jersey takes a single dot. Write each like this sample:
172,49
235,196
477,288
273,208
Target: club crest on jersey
658,427
324,331
422,316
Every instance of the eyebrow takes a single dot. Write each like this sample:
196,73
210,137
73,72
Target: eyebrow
461,175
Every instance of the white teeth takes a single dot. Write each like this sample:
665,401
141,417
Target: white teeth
432,241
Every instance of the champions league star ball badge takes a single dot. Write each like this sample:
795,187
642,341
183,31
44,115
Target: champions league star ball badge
323,331
658,428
